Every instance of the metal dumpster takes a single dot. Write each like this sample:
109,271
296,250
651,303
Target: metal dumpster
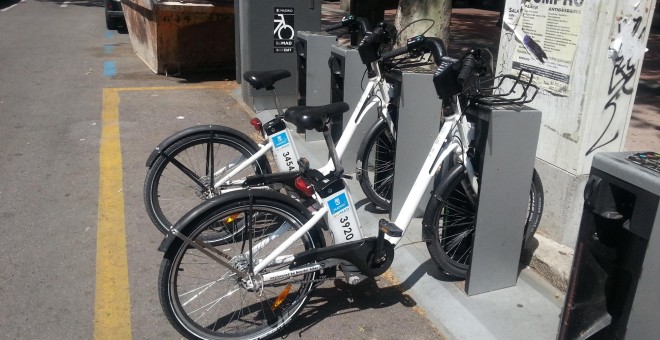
182,36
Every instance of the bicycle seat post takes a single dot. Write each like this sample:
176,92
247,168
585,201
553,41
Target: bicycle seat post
333,152
276,99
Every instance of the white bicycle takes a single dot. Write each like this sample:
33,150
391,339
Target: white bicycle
251,285
205,161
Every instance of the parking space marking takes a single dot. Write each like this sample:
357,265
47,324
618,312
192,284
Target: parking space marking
65,4
112,309
109,68
112,314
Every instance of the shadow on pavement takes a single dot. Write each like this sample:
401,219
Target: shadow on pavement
338,298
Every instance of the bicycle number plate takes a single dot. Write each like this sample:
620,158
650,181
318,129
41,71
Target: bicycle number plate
285,155
342,219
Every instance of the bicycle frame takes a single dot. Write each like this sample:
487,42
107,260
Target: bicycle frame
454,126
287,161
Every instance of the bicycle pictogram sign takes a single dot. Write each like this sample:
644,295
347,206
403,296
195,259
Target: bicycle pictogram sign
283,30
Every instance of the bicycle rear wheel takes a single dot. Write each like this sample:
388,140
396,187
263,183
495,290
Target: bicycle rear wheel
450,232
181,180
204,300
376,168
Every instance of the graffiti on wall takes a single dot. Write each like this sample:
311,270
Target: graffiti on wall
626,52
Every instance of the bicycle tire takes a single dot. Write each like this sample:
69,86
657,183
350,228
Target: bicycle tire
449,228
169,192
216,305
376,165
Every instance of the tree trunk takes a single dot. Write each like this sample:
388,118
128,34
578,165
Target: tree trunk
345,5
414,18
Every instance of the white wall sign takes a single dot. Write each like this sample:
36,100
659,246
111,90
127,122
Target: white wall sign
547,32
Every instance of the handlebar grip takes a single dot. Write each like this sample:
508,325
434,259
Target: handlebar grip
466,69
370,45
394,53
334,27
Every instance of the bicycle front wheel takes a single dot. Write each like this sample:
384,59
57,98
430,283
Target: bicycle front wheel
181,180
376,169
202,299
450,237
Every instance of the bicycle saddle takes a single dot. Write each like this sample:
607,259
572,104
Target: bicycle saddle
261,79
313,117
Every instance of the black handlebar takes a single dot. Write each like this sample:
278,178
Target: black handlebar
363,25
437,49
394,53
355,25
334,27
368,48
420,44
451,75
466,69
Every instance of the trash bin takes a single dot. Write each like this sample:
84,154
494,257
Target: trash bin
184,36
612,292
266,32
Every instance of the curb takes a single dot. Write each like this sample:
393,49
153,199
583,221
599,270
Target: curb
550,259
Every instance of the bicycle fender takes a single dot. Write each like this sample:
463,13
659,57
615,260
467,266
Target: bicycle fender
186,222
434,201
165,144
365,140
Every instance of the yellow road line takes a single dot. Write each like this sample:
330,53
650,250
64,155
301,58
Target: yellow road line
213,85
112,314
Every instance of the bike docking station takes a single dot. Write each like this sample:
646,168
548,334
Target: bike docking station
313,50
347,81
265,39
506,157
418,120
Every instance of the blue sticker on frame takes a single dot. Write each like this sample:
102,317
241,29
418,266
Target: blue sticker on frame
338,203
280,140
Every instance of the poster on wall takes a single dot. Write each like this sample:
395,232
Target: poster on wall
283,32
547,32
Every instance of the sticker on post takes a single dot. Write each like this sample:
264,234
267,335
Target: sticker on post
283,32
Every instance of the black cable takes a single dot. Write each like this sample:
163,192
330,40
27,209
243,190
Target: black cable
414,22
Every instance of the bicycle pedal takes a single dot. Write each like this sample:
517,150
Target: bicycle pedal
389,228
